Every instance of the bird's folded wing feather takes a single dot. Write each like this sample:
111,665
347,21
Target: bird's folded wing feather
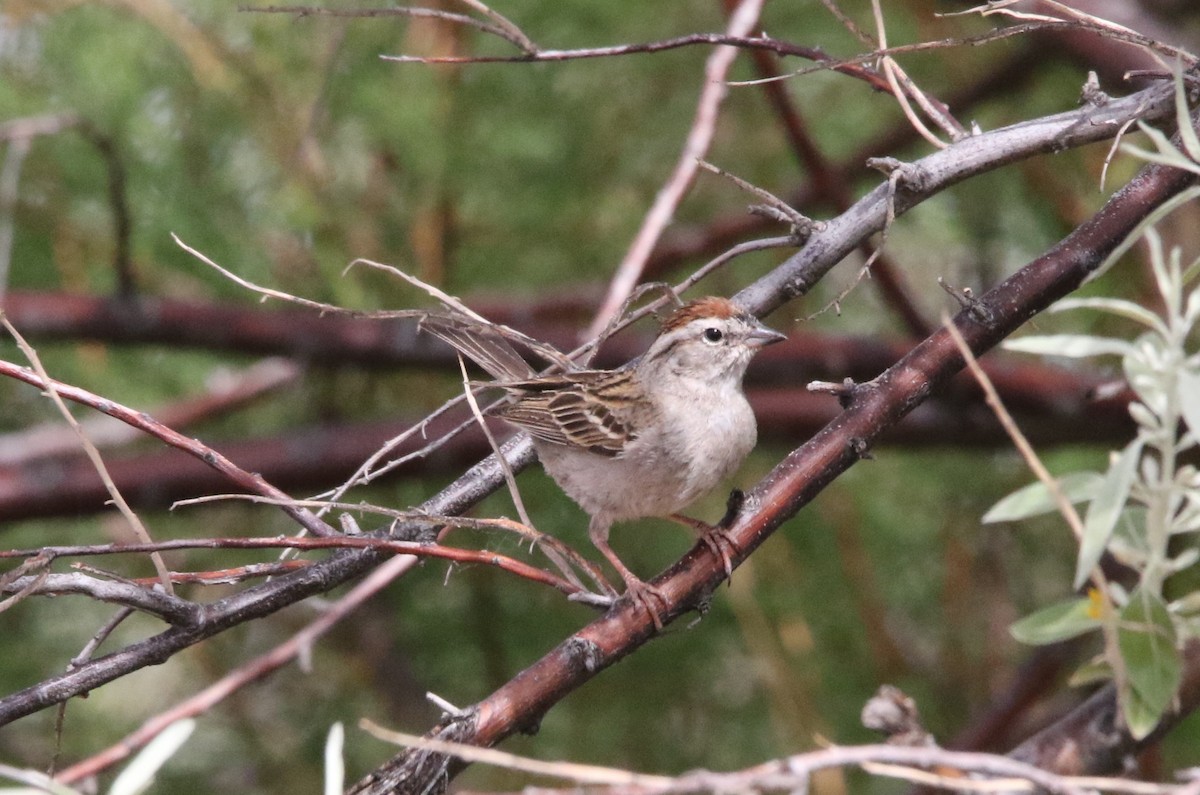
587,409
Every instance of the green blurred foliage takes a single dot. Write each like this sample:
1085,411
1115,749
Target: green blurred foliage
283,148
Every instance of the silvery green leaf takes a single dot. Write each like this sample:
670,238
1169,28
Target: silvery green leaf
1036,500
1173,159
1128,541
335,765
1149,654
1117,594
1142,374
1193,304
1073,345
1144,416
1104,511
1057,622
1149,469
1187,520
1165,269
1183,118
138,775
1153,217
1187,605
1166,154
1189,398
1092,672
1116,306
1184,560
39,783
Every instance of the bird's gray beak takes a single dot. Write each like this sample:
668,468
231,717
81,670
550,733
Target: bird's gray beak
762,336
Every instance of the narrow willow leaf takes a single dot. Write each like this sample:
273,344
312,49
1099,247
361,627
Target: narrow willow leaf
1143,375
1191,272
1167,152
1104,511
1188,605
1150,658
1035,499
1056,622
1152,218
1182,561
1092,672
1164,274
1189,398
1144,417
1140,716
1073,345
1173,158
335,765
139,773
1116,306
39,783
1183,117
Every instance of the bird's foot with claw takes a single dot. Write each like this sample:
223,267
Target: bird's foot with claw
646,594
720,543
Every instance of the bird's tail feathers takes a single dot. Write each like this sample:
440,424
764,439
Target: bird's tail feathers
483,344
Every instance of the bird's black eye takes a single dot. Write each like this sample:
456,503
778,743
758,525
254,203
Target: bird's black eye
712,334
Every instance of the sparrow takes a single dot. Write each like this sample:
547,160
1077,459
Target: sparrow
645,439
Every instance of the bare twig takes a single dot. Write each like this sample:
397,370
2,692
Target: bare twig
149,425
169,608
228,390
416,549
507,32
1066,508
515,34
511,481
857,70
989,37
896,76
1070,14
800,224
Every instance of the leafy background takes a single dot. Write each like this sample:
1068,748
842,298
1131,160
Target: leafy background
283,148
